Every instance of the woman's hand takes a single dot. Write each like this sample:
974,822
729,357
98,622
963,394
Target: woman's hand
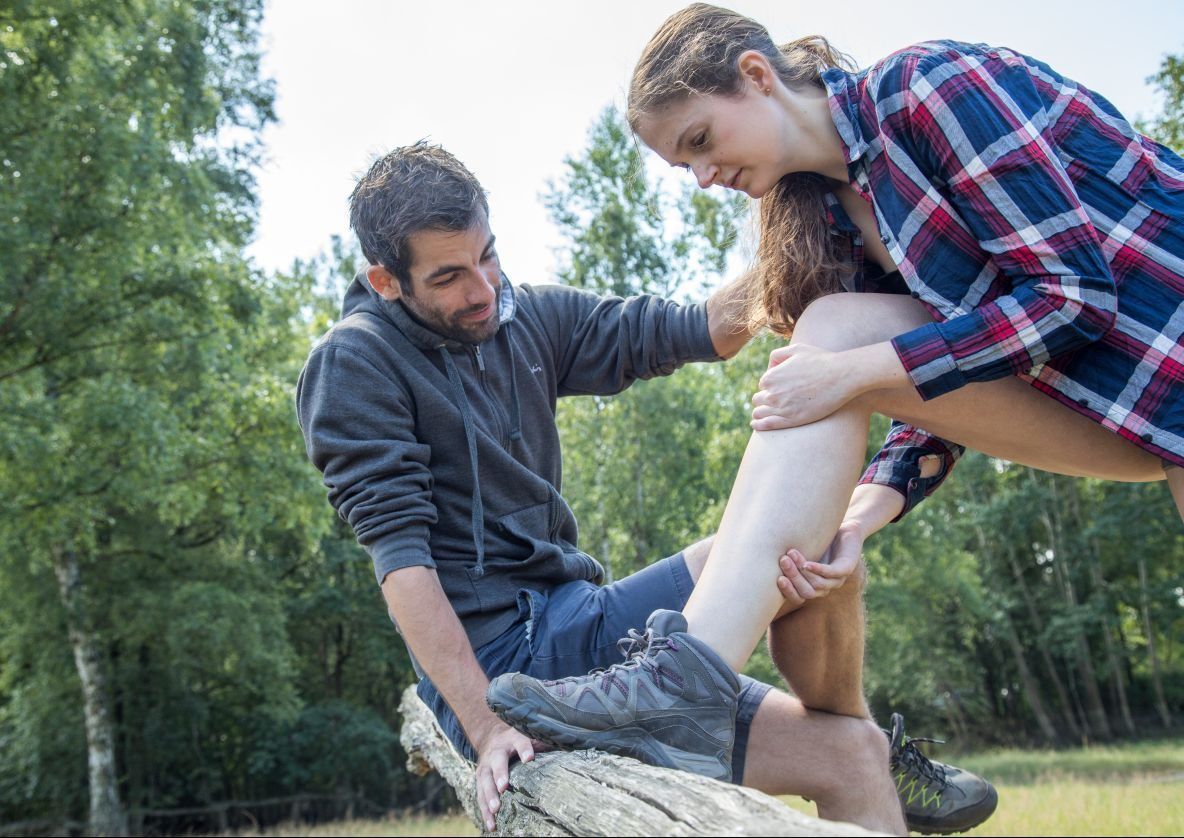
802,385
802,581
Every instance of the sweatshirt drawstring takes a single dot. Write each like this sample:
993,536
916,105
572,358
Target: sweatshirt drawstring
515,407
466,413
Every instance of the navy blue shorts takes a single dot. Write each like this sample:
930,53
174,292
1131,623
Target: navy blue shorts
575,628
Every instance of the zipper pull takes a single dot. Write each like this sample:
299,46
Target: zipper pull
480,360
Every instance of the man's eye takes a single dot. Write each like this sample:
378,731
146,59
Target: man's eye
490,255
448,280
699,141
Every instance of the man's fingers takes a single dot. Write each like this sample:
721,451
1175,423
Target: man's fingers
488,799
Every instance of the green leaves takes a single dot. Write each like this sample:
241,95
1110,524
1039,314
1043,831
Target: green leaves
1168,127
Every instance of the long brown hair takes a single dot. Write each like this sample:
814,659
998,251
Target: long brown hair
696,52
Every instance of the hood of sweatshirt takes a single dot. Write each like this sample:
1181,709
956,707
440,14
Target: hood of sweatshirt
361,296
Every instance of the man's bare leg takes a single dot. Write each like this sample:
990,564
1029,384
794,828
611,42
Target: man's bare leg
818,649
839,762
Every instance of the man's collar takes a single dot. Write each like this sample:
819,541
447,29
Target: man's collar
426,338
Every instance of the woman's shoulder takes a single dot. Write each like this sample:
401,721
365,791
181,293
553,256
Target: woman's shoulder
924,66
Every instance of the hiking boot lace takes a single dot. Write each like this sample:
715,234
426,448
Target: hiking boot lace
911,758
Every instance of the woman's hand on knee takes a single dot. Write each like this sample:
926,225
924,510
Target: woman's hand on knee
801,580
802,385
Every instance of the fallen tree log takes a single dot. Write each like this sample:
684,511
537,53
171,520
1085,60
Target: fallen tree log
593,793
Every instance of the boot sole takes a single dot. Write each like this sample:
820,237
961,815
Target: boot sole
978,814
631,741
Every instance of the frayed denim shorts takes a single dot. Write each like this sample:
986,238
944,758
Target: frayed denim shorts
575,628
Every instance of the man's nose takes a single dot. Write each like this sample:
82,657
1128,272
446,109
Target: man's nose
484,289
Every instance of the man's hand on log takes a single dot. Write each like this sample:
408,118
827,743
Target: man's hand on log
500,744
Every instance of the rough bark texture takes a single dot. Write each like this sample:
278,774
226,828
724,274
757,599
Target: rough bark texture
592,793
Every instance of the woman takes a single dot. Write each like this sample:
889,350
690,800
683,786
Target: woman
1017,250
1034,239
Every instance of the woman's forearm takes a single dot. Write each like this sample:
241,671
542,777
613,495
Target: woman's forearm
873,506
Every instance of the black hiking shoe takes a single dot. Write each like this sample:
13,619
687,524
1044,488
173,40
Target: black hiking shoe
672,703
938,799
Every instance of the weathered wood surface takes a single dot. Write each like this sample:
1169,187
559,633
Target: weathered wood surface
593,793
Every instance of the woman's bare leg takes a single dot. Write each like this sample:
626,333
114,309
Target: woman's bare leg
1176,485
793,485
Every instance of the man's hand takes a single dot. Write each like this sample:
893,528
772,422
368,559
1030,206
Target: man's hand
801,581
500,744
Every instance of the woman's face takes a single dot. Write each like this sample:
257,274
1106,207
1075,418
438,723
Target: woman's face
742,142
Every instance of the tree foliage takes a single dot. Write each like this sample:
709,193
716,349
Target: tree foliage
176,594
1168,127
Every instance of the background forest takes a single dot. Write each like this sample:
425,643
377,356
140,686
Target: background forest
183,621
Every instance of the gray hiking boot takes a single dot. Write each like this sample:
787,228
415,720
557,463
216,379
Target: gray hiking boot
672,703
938,799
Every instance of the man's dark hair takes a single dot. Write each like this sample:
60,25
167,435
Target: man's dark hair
413,188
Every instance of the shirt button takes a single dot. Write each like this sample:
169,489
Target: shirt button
1146,438
883,240
1083,402
914,295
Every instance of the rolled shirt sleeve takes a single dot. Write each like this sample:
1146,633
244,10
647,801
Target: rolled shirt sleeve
976,124
898,463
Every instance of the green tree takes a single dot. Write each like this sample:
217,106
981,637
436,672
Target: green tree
636,462
1168,127
145,371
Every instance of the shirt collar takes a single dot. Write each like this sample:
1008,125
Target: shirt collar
843,94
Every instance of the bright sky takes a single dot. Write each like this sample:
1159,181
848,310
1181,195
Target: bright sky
511,87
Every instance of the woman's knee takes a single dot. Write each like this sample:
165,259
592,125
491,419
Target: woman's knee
845,321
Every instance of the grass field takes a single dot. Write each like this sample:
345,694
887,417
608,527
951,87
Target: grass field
1121,790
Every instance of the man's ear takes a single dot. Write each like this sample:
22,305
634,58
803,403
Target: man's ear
384,282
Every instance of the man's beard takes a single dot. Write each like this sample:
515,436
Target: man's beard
454,327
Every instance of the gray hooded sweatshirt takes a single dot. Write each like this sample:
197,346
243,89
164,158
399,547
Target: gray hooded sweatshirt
446,455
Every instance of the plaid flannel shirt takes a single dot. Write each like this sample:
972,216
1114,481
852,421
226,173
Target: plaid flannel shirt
1043,233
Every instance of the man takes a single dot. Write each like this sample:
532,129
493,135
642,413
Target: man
430,409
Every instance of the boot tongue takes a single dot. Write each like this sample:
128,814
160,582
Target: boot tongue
664,623
896,738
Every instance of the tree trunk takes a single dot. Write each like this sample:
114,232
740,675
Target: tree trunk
1115,655
1161,703
593,793
1031,685
1050,666
1098,719
107,815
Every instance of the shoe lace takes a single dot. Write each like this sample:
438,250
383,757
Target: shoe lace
911,759
639,649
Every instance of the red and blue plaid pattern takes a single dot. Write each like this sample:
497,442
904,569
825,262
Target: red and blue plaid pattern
1044,234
